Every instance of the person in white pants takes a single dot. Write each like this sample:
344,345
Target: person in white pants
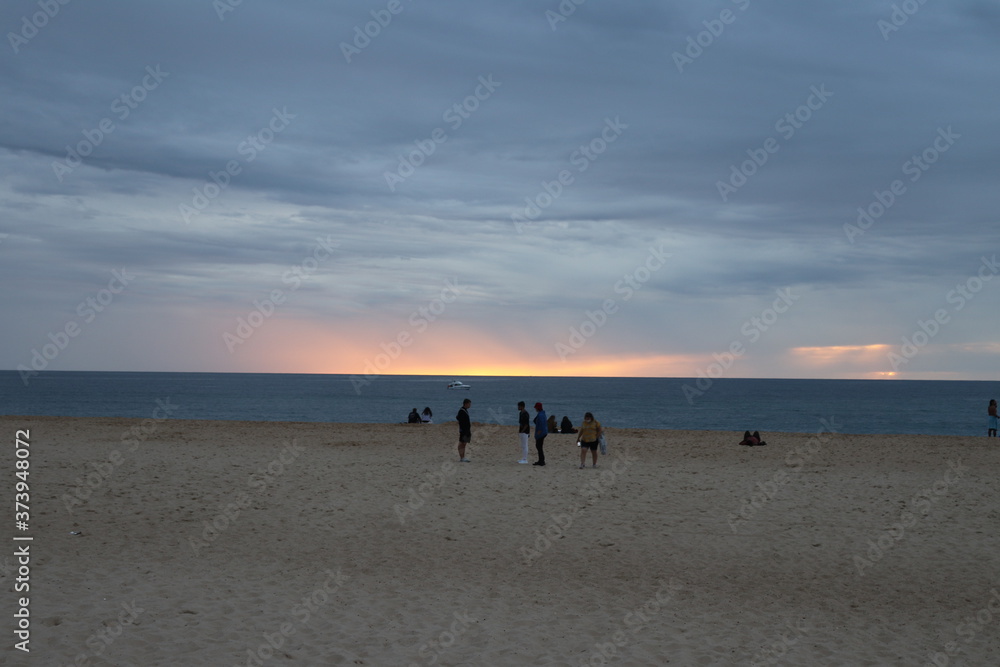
523,430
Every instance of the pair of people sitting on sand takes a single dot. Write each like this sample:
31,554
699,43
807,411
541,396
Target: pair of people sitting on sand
425,417
566,426
752,439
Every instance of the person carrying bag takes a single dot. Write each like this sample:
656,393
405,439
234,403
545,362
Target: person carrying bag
590,436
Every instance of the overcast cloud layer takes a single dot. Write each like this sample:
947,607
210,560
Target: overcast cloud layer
511,187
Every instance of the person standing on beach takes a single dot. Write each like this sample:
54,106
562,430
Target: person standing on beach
464,429
523,430
589,438
541,430
992,412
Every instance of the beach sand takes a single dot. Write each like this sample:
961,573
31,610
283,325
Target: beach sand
237,543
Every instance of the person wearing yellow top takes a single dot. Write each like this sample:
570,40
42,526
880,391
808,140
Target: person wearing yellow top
590,433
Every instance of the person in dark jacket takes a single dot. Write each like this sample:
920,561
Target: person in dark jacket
464,429
541,430
566,426
414,417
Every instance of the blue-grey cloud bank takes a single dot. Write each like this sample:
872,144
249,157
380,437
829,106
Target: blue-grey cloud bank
726,189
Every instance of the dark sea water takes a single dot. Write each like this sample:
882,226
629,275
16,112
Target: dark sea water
856,406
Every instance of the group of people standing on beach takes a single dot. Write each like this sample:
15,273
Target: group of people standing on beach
588,435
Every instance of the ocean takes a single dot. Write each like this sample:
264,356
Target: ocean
769,405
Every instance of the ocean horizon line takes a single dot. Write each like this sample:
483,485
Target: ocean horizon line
473,375
730,404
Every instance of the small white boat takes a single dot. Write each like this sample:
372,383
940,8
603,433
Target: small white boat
458,385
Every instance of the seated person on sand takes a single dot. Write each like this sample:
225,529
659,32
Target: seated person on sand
426,416
414,417
752,439
551,424
566,426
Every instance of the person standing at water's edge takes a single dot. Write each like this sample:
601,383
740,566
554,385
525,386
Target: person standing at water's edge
541,430
992,412
523,430
464,429
590,436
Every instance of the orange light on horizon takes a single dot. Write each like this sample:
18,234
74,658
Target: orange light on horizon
518,366
362,349
365,348
450,349
833,352
852,360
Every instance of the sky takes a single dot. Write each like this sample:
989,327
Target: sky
737,188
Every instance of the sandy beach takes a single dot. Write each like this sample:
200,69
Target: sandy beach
237,543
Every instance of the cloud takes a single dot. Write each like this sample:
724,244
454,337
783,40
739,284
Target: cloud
487,114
